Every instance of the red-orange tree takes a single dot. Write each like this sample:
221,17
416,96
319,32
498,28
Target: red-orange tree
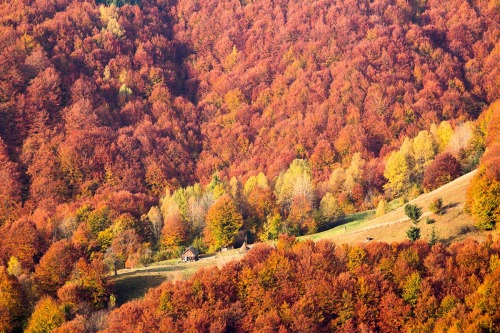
441,171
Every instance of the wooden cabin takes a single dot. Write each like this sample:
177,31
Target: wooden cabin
191,254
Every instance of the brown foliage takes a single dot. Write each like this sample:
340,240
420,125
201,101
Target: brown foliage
21,240
441,171
55,267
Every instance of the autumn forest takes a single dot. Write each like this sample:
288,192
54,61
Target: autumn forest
133,129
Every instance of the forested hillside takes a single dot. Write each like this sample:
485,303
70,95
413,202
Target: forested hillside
325,288
132,129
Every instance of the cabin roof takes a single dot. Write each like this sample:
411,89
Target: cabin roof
244,248
192,249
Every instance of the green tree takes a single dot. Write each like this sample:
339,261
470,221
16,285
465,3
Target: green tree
413,233
413,212
272,227
216,187
411,288
223,222
433,239
99,220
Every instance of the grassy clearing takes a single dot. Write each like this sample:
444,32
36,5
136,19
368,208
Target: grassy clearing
453,225
346,225
134,283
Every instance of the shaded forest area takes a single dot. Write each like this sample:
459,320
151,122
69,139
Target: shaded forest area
120,121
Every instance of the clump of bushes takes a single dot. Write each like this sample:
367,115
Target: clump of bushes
436,206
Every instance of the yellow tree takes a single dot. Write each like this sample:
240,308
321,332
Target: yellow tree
329,208
47,316
255,181
354,172
222,223
424,150
295,185
444,133
483,194
397,172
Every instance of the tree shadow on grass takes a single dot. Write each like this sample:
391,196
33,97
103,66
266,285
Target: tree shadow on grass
360,216
464,230
152,269
451,205
136,287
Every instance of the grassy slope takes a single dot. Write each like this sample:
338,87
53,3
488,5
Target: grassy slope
134,283
453,225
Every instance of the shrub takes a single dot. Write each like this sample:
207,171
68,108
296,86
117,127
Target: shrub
381,208
429,221
436,206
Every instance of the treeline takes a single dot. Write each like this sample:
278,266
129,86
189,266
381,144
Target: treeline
321,287
294,203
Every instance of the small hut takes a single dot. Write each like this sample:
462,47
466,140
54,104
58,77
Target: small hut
244,248
191,254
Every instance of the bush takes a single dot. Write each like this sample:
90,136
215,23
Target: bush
436,206
381,208
429,221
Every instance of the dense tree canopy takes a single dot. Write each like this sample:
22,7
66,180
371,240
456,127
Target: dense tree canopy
320,287
131,129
